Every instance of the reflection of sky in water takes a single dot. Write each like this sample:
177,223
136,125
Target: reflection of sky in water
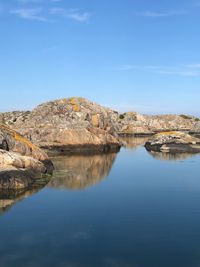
145,213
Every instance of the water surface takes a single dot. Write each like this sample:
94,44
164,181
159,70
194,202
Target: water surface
131,209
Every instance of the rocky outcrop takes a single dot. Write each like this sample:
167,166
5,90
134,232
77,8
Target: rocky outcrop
77,172
21,162
81,125
72,124
19,172
196,128
173,142
132,123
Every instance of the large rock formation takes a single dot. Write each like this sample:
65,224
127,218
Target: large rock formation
173,142
73,124
21,162
81,125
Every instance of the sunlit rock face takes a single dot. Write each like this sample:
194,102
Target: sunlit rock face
133,123
68,124
79,172
21,162
173,142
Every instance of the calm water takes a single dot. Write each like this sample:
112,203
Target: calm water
131,209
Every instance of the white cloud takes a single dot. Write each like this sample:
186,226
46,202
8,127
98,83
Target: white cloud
30,1
191,70
73,14
29,13
151,14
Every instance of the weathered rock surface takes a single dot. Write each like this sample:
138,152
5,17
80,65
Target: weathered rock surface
11,140
19,172
84,125
196,128
68,124
21,162
132,123
173,142
76,172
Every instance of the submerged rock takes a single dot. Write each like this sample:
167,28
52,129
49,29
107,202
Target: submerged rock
173,142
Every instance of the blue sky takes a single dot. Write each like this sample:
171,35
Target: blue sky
127,54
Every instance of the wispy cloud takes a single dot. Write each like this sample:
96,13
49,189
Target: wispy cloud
73,14
190,70
45,14
29,1
29,13
152,14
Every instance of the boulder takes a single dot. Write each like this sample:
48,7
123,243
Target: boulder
173,142
21,162
12,141
19,172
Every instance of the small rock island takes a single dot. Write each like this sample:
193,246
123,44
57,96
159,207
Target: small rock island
173,142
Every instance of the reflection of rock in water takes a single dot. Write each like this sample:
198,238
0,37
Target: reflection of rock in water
81,171
170,156
10,197
133,142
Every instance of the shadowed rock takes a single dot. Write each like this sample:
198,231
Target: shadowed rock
173,142
81,171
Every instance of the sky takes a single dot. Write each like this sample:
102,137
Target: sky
137,55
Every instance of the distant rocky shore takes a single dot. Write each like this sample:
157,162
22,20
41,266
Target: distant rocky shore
77,125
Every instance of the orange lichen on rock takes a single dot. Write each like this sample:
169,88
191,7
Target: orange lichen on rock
75,104
20,138
95,120
76,108
168,133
